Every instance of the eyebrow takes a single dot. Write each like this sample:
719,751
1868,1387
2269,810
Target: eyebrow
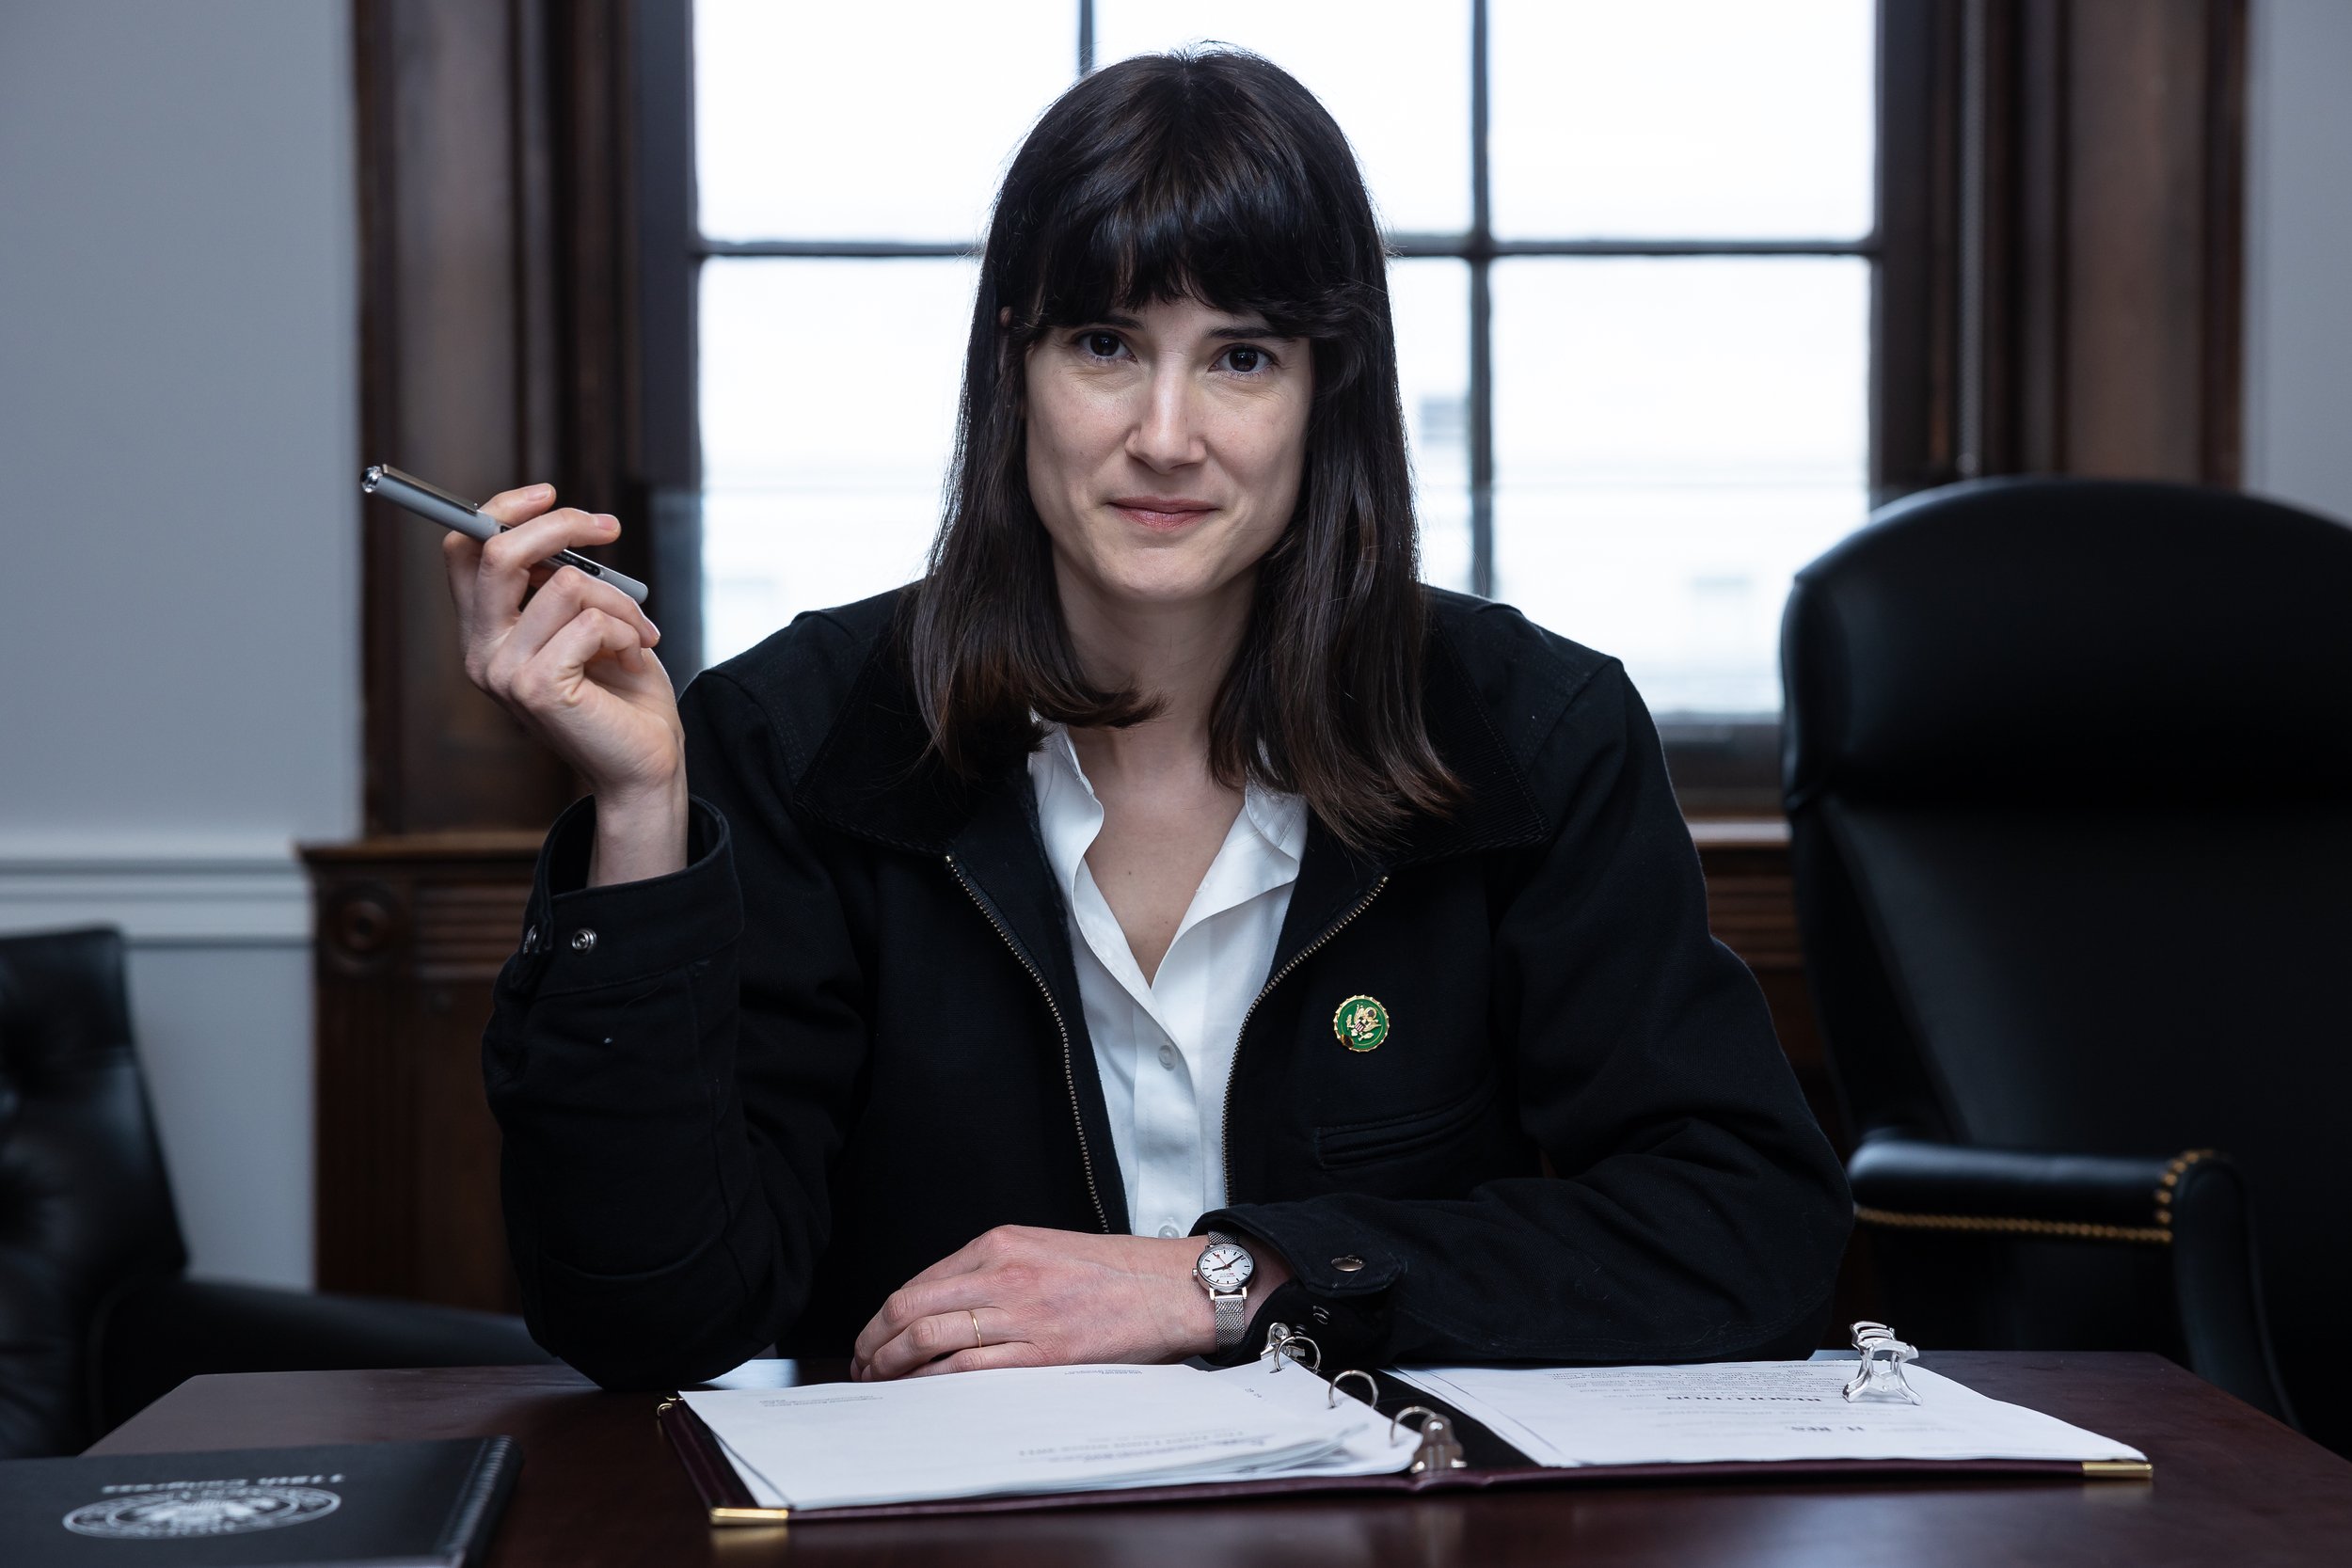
1263,329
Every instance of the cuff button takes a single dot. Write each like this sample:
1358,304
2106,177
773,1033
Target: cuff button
584,941
1348,1264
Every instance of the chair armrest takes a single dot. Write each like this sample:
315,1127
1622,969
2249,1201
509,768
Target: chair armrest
2194,1203
1916,1185
155,1336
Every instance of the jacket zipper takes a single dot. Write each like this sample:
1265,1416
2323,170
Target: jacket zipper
1233,1074
1069,1075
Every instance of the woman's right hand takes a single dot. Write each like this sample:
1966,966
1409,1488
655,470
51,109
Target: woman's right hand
572,658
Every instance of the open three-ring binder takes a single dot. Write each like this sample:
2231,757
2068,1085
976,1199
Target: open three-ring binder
1075,1436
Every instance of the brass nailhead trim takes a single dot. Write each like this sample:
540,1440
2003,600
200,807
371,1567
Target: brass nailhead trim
2070,1229
2159,1233
2171,1178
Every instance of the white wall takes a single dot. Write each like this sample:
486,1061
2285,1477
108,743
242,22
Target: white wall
178,648
2298,253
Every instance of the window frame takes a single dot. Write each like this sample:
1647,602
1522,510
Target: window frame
1971,370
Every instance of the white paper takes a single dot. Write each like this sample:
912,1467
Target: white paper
1043,1429
1744,1411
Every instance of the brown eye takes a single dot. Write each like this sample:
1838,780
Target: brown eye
1103,345
1246,359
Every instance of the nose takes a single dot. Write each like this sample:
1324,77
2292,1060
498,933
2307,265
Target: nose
1167,433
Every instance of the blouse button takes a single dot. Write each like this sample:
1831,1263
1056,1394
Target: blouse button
1167,1057
1348,1264
584,941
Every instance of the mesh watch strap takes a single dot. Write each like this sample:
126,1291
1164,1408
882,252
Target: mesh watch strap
1231,1310
1232,1316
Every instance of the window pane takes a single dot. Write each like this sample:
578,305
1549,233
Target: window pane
827,416
1394,73
1679,118
888,120
1430,302
1673,439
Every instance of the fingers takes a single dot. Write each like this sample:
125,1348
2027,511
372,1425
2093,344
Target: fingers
503,570
950,1337
983,1359
906,1309
553,679
555,605
518,506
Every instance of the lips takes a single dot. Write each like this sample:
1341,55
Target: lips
1162,512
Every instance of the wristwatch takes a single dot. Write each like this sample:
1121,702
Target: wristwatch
1224,1271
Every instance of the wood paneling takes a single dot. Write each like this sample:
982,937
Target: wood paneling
2061,199
498,318
411,933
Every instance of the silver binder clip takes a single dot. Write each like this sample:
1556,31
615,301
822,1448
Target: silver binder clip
1881,1377
1282,1343
1440,1448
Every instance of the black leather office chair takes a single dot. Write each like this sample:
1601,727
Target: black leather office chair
2069,775
96,1316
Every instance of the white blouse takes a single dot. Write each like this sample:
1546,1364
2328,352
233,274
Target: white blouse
1164,1047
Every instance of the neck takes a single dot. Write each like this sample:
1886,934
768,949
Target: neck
1174,654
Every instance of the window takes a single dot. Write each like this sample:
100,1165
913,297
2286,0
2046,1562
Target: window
1632,291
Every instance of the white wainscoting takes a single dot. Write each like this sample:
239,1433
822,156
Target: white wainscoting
219,940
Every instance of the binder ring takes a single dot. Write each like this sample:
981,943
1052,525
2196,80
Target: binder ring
1282,1341
1373,1399
1440,1448
1426,1415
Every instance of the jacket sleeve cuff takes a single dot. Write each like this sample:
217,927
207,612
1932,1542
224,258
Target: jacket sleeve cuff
580,938
1338,1293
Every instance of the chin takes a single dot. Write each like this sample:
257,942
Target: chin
1161,581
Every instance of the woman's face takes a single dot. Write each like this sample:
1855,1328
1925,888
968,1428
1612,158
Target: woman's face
1165,450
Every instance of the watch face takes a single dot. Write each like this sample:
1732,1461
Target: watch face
1225,1266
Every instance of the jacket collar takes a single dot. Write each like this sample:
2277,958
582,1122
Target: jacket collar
875,778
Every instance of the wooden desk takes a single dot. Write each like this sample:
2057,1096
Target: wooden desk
599,1489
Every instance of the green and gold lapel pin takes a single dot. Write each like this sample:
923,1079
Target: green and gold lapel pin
1361,1023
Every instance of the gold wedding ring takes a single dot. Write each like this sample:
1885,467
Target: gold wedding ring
977,1343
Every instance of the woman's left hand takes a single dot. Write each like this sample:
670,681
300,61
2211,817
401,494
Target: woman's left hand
1026,1297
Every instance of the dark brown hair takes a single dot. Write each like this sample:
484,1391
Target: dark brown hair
1215,176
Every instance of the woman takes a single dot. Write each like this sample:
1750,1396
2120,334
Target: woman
1166,918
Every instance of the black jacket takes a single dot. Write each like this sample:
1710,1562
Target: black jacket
848,1038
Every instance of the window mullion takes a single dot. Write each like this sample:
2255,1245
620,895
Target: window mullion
1482,431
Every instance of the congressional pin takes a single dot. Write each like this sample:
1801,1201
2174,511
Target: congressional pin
1361,1023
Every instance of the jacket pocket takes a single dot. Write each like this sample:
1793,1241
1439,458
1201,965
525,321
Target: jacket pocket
1364,1142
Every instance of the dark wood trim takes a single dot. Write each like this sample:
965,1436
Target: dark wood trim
2061,189
665,471
505,323
412,931
2222,351
1914,306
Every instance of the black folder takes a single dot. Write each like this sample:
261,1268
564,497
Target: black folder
387,1505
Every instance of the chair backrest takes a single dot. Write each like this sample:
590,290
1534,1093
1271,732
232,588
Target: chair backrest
85,1206
2069,771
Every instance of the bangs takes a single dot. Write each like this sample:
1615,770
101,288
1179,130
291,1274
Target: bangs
1189,186
1209,176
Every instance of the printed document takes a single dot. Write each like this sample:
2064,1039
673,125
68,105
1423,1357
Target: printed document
1744,1411
1041,1428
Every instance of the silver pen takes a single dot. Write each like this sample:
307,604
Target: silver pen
463,516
